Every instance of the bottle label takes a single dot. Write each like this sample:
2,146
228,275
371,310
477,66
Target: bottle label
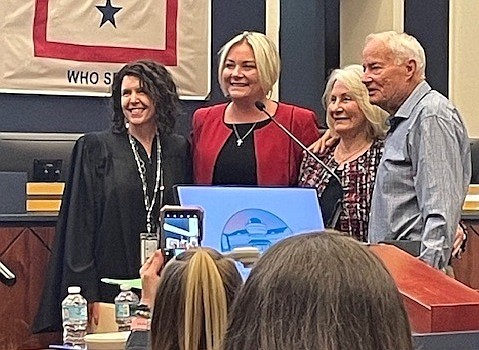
122,310
75,313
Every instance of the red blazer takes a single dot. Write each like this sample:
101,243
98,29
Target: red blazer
278,158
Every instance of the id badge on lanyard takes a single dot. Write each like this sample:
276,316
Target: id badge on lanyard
149,243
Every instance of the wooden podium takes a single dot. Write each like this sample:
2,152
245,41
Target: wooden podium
434,301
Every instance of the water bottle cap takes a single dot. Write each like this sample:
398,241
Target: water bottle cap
125,287
74,290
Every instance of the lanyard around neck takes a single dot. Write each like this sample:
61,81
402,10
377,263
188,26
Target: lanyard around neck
149,204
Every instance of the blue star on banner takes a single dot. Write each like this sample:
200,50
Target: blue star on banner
108,11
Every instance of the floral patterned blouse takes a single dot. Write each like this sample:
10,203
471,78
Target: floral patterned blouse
357,178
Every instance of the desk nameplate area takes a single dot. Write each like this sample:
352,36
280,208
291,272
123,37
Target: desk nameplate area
471,202
44,196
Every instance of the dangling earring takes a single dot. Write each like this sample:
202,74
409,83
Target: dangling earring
127,124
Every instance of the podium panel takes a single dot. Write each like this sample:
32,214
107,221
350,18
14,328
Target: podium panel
434,301
12,192
446,340
25,248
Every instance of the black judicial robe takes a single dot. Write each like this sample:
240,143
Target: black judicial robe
101,218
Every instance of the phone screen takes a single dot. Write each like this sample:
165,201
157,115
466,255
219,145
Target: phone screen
181,230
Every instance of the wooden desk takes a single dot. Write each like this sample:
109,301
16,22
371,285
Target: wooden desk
25,248
434,301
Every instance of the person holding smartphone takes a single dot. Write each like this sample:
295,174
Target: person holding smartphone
190,297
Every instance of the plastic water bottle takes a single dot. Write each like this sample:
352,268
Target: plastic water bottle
125,307
75,318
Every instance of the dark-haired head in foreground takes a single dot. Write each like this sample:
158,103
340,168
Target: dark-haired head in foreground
318,291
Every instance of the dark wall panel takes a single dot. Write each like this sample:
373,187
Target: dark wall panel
309,45
332,36
43,113
428,21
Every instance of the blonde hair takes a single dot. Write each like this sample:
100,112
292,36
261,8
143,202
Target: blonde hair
266,56
350,76
404,47
204,293
191,305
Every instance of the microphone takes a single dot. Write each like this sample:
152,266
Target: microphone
333,193
6,276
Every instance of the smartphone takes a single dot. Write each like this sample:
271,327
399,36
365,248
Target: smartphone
181,228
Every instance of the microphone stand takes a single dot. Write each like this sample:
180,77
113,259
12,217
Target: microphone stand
334,190
6,276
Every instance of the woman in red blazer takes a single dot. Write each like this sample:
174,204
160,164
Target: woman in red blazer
234,142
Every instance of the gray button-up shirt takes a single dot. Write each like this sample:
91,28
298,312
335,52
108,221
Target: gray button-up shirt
423,176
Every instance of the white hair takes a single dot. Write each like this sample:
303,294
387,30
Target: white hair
404,47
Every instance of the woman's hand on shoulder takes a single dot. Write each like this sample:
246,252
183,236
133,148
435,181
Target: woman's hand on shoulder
324,142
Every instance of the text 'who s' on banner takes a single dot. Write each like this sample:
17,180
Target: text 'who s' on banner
72,47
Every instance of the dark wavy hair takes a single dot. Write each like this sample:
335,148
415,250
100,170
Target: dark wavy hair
159,86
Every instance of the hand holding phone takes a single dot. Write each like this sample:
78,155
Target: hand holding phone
150,277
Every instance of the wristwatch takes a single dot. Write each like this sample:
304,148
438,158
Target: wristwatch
143,310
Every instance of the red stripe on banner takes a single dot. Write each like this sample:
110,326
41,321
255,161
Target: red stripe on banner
89,53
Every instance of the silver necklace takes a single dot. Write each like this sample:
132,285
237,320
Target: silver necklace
345,159
159,179
239,139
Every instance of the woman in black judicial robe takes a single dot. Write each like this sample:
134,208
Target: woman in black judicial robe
103,209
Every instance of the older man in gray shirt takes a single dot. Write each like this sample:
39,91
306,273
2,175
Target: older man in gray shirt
424,173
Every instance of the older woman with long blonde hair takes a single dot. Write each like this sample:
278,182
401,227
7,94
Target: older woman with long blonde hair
361,128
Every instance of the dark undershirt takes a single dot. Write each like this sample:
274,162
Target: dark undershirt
237,165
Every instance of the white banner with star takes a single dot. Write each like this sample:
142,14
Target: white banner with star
72,47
